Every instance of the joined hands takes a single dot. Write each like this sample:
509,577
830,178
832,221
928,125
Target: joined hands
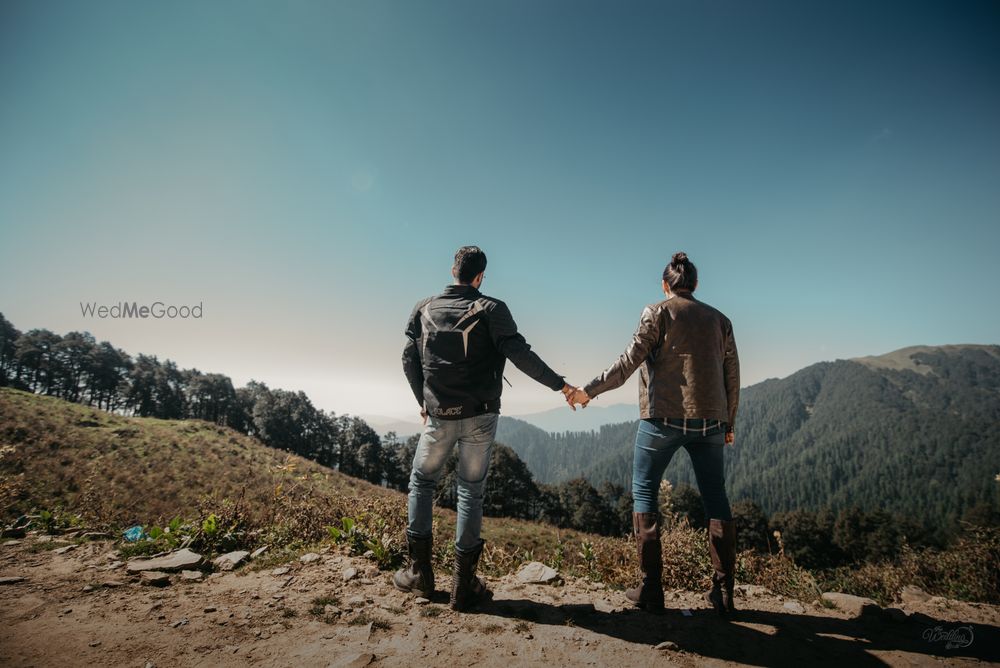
575,395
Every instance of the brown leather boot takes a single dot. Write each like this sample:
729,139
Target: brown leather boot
467,589
418,577
649,594
722,547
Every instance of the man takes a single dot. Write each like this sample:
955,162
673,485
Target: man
457,345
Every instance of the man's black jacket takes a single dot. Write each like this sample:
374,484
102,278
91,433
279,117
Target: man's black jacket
457,345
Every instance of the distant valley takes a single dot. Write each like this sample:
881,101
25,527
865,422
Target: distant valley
557,419
913,431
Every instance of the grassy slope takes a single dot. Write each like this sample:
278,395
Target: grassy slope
144,470
67,455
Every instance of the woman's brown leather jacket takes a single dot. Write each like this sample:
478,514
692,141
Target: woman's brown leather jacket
688,367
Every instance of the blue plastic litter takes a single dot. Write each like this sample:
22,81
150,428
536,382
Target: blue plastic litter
133,534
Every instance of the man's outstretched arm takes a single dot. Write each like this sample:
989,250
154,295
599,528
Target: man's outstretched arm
512,345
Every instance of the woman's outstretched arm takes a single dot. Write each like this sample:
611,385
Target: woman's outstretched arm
648,336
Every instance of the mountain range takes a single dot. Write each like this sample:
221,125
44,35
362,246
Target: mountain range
912,431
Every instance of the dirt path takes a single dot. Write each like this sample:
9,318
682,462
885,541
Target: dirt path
71,610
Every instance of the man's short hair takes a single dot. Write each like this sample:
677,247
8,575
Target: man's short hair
470,261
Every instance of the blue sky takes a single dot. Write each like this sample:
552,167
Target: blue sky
307,169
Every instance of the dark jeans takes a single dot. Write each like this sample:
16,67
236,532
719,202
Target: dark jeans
655,445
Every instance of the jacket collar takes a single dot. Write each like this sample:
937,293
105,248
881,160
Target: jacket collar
683,294
462,291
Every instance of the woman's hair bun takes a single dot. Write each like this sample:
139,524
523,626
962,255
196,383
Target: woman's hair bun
681,273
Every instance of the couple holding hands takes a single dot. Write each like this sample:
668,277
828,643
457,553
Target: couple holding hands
457,343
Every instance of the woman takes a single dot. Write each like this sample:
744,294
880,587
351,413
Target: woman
688,392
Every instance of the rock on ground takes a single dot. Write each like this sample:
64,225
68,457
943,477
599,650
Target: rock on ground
537,573
607,607
230,560
175,561
852,605
154,578
910,595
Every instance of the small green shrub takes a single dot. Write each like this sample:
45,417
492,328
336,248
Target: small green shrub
318,607
366,617
346,534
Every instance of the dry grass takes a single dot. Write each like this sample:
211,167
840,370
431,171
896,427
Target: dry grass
116,471
363,618
969,570
141,470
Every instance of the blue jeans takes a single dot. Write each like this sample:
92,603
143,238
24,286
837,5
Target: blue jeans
474,436
655,445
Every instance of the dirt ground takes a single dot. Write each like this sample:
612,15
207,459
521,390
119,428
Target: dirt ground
79,608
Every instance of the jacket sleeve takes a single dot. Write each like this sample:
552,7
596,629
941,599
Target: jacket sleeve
412,364
731,373
512,345
647,337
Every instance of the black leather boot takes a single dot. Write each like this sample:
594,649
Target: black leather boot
722,547
649,594
468,590
418,577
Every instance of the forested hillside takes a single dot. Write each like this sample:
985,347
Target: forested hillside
913,432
